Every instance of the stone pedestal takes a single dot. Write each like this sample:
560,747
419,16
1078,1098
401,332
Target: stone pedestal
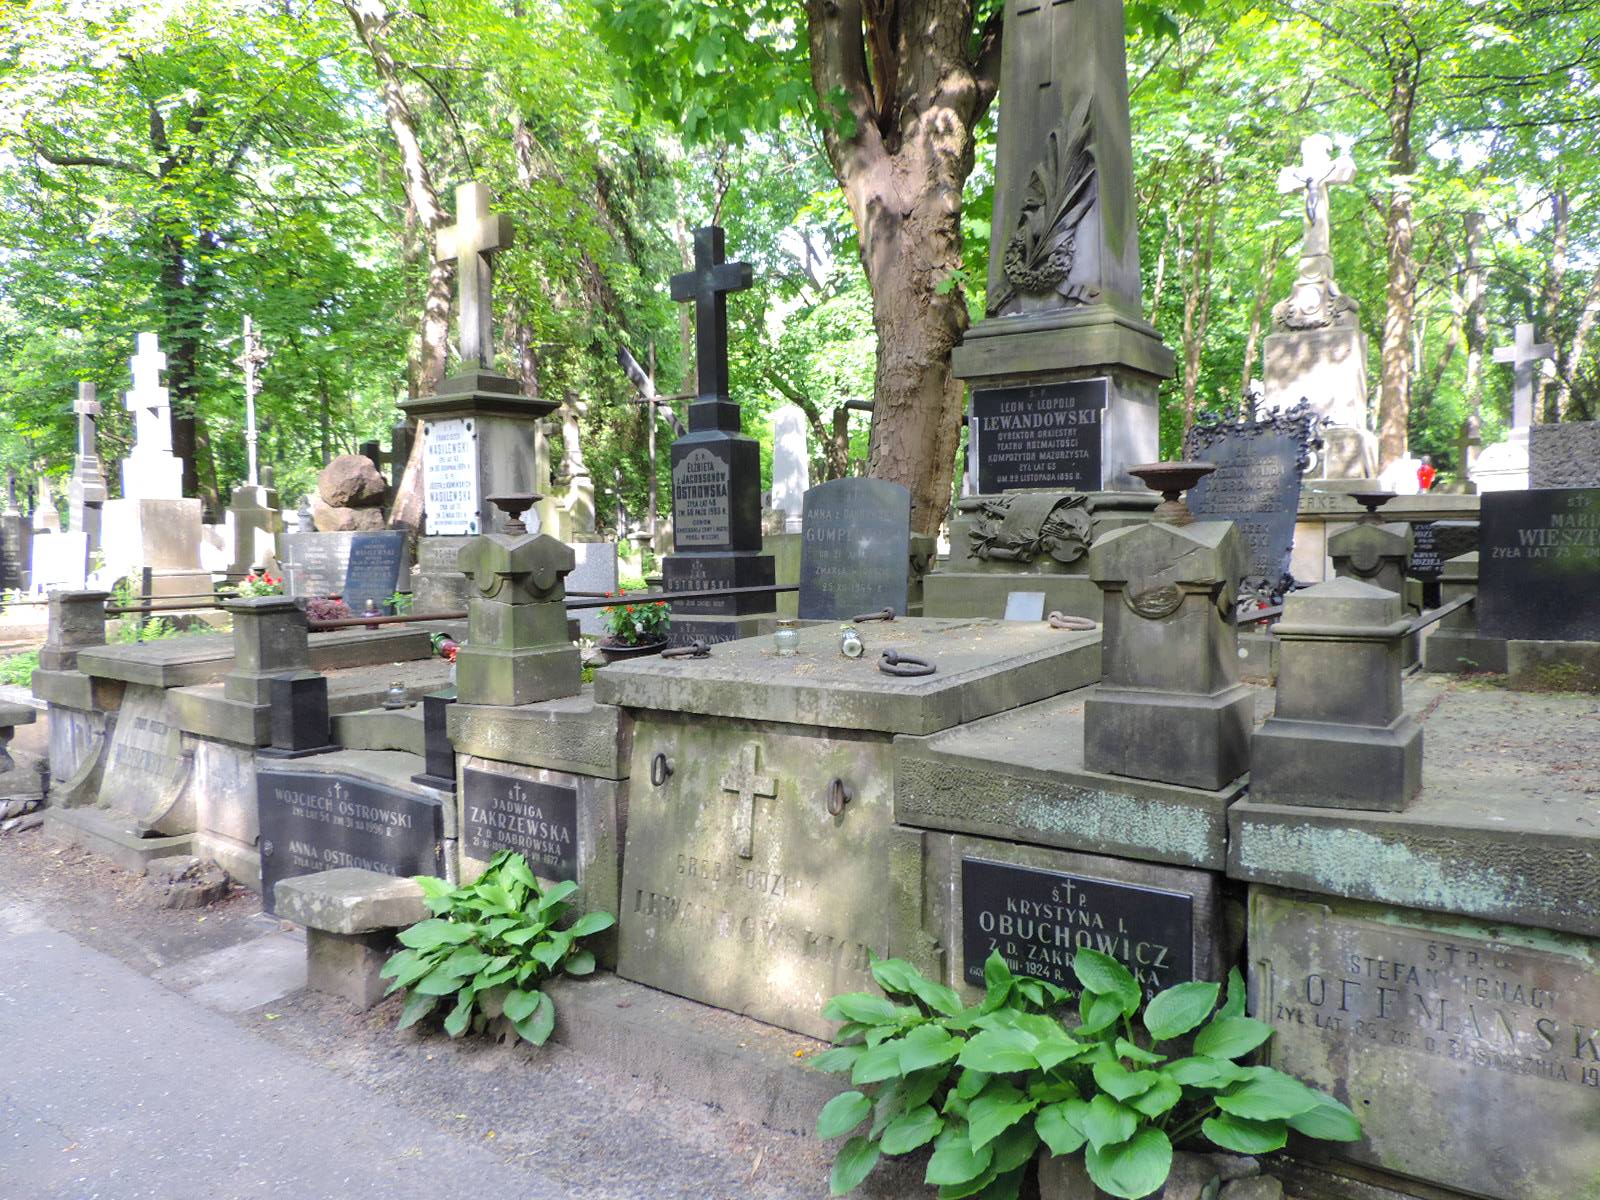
77,622
1339,738
1455,645
270,638
1373,552
1170,706
1505,466
163,535
254,524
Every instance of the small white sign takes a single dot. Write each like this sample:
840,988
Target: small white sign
1024,606
450,475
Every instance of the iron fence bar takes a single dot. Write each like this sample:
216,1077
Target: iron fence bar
1444,610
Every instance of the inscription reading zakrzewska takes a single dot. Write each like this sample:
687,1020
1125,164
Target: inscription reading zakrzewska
537,820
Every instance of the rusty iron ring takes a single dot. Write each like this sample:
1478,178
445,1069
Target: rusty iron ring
905,665
1060,620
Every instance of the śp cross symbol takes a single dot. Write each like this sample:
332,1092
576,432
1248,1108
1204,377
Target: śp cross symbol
748,784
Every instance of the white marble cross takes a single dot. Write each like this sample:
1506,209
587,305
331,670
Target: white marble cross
147,400
87,408
748,783
250,358
471,243
1524,355
1317,170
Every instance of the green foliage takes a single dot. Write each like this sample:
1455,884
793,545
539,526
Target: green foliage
16,670
989,1084
634,624
500,936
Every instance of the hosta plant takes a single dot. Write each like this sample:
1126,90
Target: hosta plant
989,1084
498,937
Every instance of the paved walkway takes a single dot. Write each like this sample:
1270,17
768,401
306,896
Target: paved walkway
113,1087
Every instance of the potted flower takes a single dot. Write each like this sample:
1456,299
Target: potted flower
263,584
633,630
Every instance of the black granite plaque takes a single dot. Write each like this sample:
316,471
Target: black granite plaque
718,572
1035,919
314,563
1539,565
1256,485
1435,543
315,821
855,549
1047,435
537,820
375,568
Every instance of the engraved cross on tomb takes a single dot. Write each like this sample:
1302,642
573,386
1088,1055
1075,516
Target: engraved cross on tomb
1523,355
471,243
708,286
748,783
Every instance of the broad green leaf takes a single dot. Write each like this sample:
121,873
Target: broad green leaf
971,1083
516,869
456,1023
465,961
1013,1148
977,1186
1328,1120
997,1109
590,924
997,981
893,975
581,963
1099,1013
854,1162
1105,976
1244,1136
417,1006
1159,1099
1268,1097
426,934
1134,1168
404,970
918,1087
1052,1091
1204,1072
1233,1006
842,1114
840,1058
955,1161
877,1064
862,1007
927,1046
519,1005
1058,1048
1108,1122
936,996
1231,1037
1122,1083
1000,1050
911,1129
1057,1132
1177,1010
438,982
557,893
538,1027
1138,1054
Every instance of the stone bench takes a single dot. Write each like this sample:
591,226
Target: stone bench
12,715
350,916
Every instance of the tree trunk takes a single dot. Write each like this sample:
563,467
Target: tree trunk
1197,304
1475,318
1394,399
838,446
1560,210
1258,310
1568,378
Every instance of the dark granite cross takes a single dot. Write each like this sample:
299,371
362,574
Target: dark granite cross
470,243
1523,354
708,285
748,783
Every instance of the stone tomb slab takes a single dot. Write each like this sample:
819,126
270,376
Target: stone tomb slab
147,767
314,819
1043,435
1539,565
1435,543
855,549
1036,906
1470,1051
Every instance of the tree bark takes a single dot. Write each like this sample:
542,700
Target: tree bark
1394,398
1560,211
1475,318
1258,310
902,153
1197,301
1566,382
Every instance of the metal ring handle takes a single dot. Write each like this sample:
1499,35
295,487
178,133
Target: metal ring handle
894,663
837,797
660,769
883,614
1060,620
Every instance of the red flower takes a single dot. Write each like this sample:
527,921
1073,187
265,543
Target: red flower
250,578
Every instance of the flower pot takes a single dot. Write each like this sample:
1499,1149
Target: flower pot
624,651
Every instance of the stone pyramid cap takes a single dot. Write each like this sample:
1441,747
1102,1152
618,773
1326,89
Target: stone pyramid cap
1201,552
1349,604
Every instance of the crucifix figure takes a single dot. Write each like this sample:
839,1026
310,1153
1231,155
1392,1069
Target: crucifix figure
148,400
708,285
87,408
471,243
250,358
1317,170
748,783
1523,355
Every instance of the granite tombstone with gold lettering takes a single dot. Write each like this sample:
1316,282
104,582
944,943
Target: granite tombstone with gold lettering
763,862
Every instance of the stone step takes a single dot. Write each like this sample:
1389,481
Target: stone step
105,833
381,729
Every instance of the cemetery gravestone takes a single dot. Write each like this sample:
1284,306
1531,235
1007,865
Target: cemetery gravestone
1256,485
855,549
450,474
376,565
317,820
86,493
1045,435
1540,565
1505,465
791,465
595,570
60,561
537,820
146,768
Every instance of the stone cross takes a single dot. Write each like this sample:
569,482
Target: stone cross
471,243
748,783
1029,16
708,285
11,508
1317,170
1523,355
87,408
148,400
250,358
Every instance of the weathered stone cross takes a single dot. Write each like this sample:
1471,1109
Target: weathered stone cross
708,285
1523,355
251,357
1029,8
748,784
87,408
1318,168
471,243
148,400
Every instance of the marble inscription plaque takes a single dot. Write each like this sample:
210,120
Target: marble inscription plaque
450,474
700,503
315,821
1046,435
1470,1052
537,820
855,549
145,763
1539,565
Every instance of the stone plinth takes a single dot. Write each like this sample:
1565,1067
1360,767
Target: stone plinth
1338,737
1455,645
1170,706
270,638
77,622
1328,368
1505,466
1373,552
163,535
